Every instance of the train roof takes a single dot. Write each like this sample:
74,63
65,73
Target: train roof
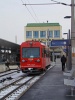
33,41
4,44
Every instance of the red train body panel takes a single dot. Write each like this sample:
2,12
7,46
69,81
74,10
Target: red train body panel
34,56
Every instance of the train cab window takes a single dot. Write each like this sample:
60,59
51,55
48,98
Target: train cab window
30,52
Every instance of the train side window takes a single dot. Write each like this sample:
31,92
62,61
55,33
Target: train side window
48,53
42,52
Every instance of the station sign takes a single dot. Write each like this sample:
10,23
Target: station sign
59,42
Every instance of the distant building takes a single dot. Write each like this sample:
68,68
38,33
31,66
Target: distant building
41,32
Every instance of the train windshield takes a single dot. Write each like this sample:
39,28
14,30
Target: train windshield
30,52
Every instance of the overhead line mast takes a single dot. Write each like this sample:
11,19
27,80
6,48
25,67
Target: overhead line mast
61,3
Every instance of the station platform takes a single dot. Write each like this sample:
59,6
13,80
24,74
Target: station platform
4,68
50,87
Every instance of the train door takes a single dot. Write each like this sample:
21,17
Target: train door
43,57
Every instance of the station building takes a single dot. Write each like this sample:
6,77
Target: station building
8,50
44,32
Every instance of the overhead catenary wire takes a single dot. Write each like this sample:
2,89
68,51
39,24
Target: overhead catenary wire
56,2
22,1
29,11
30,4
34,12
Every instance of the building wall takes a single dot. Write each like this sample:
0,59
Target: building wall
50,28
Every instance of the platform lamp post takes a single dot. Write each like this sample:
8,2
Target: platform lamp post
69,47
68,51
67,17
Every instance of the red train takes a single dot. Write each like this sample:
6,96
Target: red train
34,56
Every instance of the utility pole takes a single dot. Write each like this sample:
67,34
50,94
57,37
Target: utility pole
48,38
69,51
73,31
16,39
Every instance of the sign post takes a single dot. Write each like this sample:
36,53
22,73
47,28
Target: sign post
69,57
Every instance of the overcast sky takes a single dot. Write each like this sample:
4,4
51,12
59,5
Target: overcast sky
14,16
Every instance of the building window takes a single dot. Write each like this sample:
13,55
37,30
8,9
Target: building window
35,34
56,33
51,34
29,34
42,34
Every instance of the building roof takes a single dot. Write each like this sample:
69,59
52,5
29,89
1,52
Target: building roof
42,24
8,45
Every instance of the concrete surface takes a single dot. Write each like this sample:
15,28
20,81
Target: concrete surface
49,87
5,68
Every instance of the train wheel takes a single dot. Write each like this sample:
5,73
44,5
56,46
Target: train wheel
43,70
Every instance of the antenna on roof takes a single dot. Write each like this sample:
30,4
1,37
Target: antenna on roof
47,21
16,39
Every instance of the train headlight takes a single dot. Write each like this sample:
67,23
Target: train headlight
23,60
38,60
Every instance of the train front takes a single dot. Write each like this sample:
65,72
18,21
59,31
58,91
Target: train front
30,57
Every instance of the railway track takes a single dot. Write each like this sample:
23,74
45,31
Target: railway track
8,72
15,90
8,76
